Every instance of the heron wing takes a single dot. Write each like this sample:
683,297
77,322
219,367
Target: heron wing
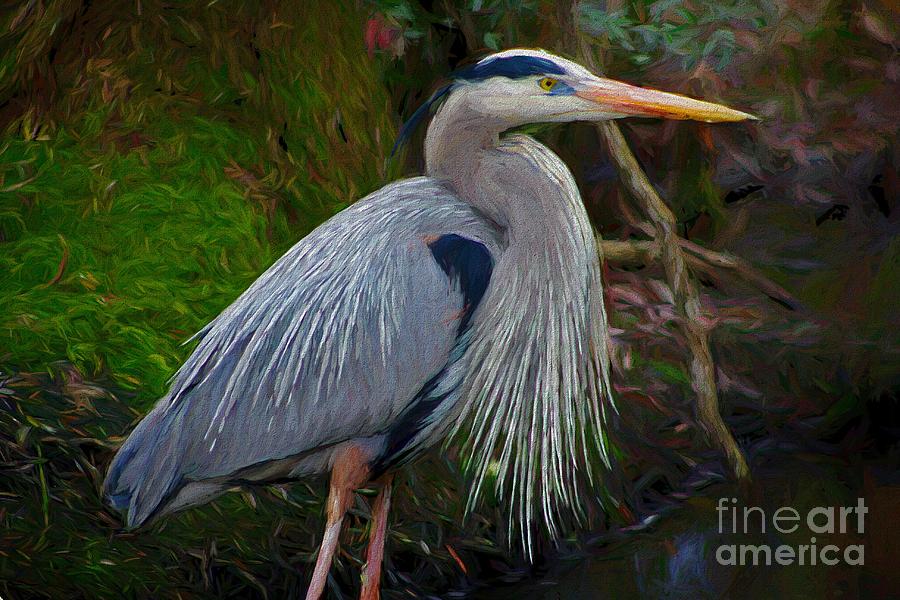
333,342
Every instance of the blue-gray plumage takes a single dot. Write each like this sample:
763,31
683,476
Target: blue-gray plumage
347,327
466,301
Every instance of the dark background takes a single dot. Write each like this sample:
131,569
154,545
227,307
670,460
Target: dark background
157,156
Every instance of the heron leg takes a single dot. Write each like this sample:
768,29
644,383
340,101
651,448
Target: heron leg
378,532
349,471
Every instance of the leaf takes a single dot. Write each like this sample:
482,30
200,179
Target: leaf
669,372
492,40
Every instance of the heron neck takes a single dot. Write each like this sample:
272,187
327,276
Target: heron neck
458,139
515,181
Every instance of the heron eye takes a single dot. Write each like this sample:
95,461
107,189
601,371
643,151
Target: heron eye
548,83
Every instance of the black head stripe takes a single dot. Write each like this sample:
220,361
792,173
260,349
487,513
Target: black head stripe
514,67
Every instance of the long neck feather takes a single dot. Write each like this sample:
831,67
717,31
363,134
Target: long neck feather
535,405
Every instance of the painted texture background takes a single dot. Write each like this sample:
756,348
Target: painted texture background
157,156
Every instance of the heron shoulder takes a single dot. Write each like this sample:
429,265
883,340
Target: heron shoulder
424,204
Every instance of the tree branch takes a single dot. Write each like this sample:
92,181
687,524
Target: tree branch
687,298
708,260
642,252
628,252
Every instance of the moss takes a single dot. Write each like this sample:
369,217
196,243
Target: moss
193,157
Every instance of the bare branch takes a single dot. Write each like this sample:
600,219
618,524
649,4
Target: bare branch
687,298
708,260
629,252
642,252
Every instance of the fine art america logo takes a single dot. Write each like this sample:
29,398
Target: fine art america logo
820,520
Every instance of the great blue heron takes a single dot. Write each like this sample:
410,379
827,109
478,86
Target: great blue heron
467,298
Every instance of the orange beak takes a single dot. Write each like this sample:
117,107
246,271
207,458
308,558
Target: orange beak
629,100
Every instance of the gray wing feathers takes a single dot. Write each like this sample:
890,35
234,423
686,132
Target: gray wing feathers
331,343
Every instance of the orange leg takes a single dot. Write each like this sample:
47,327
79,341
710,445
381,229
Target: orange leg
349,471
375,554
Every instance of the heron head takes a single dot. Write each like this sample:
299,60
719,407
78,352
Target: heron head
521,86
532,86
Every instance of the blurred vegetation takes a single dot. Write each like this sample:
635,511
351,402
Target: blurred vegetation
157,156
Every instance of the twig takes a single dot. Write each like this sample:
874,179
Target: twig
62,264
642,252
707,260
19,185
687,298
628,252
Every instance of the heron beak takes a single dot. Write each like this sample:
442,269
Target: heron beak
629,100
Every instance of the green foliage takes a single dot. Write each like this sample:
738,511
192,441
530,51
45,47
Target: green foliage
134,281
146,193
651,31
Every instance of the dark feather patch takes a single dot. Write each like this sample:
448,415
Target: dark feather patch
470,264
514,67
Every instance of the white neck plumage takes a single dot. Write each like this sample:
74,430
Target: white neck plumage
537,408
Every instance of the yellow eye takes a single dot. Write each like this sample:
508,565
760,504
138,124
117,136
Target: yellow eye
548,83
